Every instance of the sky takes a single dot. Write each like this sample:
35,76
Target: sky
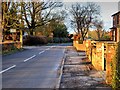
108,8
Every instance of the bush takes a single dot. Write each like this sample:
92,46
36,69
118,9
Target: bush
116,69
34,40
106,37
8,48
50,39
80,42
115,66
61,40
56,40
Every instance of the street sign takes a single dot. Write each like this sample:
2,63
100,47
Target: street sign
12,30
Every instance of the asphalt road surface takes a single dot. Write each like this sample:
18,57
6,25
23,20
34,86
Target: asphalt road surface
34,67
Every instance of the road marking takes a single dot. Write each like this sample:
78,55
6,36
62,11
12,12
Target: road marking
47,49
41,52
64,50
29,58
7,69
51,47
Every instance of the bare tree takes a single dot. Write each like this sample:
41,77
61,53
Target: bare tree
36,13
83,15
10,17
99,28
5,10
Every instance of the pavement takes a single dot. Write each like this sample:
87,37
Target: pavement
35,67
78,72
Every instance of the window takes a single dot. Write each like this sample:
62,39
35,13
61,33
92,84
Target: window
118,19
114,21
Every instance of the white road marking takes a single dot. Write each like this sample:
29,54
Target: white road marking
51,47
29,58
64,50
47,49
7,69
41,52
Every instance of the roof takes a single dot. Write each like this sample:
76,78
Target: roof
116,13
113,28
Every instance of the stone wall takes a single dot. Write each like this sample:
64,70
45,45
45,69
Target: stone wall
103,57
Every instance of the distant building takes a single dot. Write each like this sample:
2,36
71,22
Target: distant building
115,30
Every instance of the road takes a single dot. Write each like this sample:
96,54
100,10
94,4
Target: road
34,67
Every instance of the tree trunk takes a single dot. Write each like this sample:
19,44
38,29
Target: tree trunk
31,32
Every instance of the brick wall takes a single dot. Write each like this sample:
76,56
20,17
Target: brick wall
88,48
97,55
102,55
79,47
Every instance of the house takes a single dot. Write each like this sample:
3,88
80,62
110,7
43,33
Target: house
115,30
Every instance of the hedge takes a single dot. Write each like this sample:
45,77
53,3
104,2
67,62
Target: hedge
34,40
40,40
